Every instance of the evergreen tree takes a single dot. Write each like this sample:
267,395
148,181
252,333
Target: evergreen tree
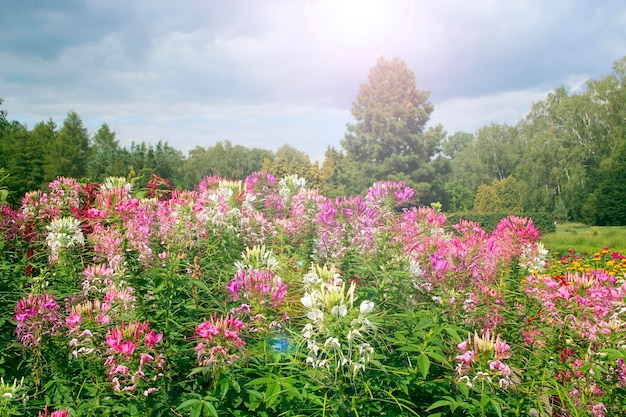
107,158
70,151
509,195
388,140
487,200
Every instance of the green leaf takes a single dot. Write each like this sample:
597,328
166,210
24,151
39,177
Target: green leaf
452,332
438,357
201,284
187,404
260,381
441,403
235,386
224,386
496,407
400,338
211,408
423,364
196,410
464,389
271,395
202,369
410,348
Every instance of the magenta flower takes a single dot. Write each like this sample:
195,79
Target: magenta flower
220,340
125,338
485,355
466,358
73,320
153,338
145,358
260,287
497,365
132,356
207,329
126,347
37,315
58,413
233,288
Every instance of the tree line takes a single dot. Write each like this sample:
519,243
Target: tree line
566,157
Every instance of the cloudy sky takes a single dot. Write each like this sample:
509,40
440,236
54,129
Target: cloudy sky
263,73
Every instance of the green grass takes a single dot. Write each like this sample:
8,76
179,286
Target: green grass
584,238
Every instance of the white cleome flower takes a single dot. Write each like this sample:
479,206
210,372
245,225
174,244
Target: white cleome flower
64,233
332,341
307,300
366,307
340,311
415,270
315,315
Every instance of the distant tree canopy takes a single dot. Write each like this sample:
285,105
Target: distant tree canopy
566,157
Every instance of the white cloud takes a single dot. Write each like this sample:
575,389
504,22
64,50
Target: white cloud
468,114
263,74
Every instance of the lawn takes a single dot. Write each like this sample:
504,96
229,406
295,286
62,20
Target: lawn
585,238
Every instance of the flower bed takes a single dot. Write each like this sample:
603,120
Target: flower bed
264,298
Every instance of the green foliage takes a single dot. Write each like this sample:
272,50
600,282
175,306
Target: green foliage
508,194
493,154
23,155
4,191
560,211
606,206
69,151
487,199
460,197
501,196
223,159
108,159
456,143
161,160
288,161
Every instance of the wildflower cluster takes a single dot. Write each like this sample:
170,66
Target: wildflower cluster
218,208
65,194
612,262
589,303
86,321
133,358
585,306
162,258
482,359
63,233
337,332
461,270
37,316
219,342
256,281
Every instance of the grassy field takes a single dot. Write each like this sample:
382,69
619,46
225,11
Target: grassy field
586,238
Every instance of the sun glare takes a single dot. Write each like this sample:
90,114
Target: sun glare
359,27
